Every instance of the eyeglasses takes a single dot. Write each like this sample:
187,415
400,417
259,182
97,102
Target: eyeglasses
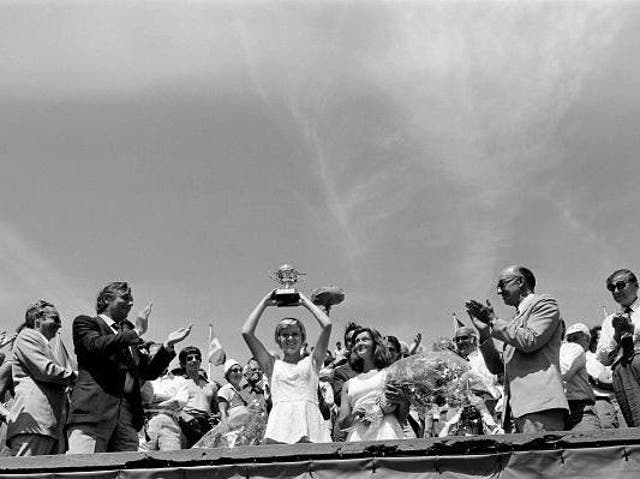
617,285
459,339
505,281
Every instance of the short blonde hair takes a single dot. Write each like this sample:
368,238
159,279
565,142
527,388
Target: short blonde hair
284,322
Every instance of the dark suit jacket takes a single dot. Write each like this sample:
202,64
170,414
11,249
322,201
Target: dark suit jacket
103,360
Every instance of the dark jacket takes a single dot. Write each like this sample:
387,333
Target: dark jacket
104,358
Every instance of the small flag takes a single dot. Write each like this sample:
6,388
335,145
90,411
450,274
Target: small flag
457,324
216,354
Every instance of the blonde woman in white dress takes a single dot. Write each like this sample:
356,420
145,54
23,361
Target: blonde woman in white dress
295,416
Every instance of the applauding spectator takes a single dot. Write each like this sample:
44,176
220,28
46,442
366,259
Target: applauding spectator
35,421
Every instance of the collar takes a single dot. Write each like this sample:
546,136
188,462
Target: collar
526,301
635,306
110,322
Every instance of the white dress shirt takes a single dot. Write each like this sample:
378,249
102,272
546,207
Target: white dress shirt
608,351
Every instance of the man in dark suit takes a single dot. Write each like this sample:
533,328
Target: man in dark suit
530,359
106,408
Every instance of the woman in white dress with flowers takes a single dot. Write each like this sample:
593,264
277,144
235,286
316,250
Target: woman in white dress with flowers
369,410
295,416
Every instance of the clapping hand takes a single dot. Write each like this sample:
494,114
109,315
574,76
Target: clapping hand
481,316
4,339
142,320
622,326
178,335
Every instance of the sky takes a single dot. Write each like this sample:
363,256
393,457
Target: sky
404,151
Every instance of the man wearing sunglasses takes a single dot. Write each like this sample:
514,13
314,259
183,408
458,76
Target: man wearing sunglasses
533,389
619,339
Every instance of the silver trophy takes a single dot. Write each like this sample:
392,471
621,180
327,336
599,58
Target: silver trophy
287,277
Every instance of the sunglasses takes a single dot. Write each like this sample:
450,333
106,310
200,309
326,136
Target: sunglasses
617,285
194,356
458,339
505,281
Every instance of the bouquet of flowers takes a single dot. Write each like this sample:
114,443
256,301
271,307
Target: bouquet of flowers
432,378
369,411
244,427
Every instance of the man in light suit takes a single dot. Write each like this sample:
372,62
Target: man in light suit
534,393
36,418
106,407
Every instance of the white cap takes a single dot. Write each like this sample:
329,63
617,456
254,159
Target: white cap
228,364
578,328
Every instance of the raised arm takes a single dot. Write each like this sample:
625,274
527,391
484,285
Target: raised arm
258,350
322,343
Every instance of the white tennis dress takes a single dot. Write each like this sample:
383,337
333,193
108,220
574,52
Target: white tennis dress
295,416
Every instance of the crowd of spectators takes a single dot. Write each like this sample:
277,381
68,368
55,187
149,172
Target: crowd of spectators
530,373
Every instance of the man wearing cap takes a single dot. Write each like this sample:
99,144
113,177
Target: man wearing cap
573,367
533,389
619,338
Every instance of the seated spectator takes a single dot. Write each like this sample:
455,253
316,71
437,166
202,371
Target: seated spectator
199,414
257,385
393,345
34,424
232,395
573,367
466,345
163,399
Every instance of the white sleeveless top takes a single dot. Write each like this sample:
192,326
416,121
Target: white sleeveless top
364,387
295,416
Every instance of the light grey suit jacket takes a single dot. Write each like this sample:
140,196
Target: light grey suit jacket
530,358
39,383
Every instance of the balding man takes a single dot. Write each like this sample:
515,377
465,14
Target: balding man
534,394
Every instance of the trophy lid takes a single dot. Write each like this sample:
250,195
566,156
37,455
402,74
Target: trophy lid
327,296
